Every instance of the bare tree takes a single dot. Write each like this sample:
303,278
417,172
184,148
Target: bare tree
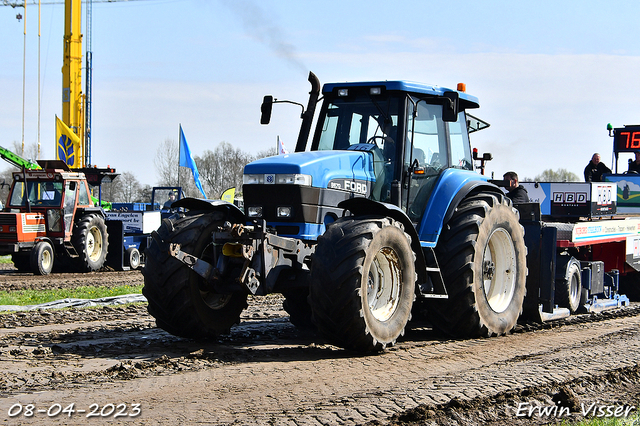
166,162
265,153
130,188
125,188
6,176
144,195
30,150
560,175
219,169
222,168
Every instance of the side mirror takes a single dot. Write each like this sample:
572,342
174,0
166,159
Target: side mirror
267,105
450,107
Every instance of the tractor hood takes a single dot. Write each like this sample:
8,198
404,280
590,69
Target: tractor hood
327,169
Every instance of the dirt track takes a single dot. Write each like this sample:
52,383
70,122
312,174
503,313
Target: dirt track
266,372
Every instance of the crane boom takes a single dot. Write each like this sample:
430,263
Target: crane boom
72,98
16,160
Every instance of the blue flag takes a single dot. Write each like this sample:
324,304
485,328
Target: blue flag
187,161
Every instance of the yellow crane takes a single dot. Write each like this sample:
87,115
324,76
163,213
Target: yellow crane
72,97
73,132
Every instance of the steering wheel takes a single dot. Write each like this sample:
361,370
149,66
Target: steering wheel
372,140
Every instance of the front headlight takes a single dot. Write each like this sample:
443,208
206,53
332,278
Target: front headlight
281,179
294,179
252,179
254,211
284,211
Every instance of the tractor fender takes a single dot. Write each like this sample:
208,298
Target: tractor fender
360,206
453,186
81,211
46,239
211,205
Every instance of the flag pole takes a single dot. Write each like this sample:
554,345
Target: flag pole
179,126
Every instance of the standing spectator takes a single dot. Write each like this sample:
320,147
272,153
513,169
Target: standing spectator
595,169
634,166
517,193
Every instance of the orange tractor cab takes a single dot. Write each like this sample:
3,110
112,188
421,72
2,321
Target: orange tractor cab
50,217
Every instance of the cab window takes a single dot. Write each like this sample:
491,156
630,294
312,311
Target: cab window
429,137
83,195
460,147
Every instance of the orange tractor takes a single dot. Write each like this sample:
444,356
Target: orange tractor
50,216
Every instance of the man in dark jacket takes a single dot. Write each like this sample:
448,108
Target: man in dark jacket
595,169
517,193
634,166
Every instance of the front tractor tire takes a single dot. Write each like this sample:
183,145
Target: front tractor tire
363,282
179,299
91,241
42,258
483,262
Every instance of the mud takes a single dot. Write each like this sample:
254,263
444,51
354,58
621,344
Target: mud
114,363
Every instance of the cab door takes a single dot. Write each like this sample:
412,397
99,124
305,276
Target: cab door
69,207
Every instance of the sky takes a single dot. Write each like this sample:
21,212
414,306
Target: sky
549,75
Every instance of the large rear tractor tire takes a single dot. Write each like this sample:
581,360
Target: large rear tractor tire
483,262
91,241
179,299
363,282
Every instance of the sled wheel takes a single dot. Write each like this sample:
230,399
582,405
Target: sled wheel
569,291
132,256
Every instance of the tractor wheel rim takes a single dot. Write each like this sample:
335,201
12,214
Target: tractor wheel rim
46,259
94,244
499,270
383,284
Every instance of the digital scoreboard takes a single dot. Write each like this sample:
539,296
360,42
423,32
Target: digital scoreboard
626,139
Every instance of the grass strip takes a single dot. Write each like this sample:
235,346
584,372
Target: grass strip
36,297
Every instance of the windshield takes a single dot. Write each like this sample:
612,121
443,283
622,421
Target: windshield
41,193
361,119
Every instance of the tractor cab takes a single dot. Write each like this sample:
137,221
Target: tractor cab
414,132
54,195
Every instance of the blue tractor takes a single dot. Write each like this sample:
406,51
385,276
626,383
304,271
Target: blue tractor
382,217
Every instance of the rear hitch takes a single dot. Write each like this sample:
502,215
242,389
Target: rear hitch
199,266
